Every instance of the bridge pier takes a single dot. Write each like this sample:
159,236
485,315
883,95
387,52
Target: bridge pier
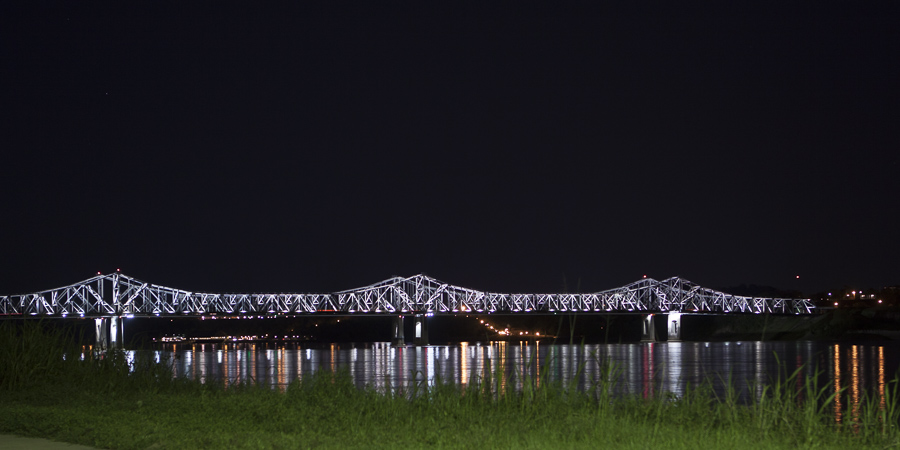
648,330
398,339
674,327
108,332
421,336
117,332
101,335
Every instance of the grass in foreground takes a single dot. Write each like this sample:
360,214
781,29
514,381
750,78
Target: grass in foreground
99,402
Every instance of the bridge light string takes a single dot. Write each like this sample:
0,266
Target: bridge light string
505,331
674,287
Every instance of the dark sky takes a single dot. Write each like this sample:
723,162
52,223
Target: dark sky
501,149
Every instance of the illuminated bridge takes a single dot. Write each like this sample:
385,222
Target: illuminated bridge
116,295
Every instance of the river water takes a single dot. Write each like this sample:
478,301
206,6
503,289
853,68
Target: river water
643,369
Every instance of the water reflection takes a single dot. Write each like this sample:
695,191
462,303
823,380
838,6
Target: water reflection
867,367
646,369
881,394
836,374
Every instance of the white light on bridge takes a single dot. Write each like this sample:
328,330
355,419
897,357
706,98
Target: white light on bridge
647,295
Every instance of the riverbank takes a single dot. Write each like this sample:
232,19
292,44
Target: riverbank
829,325
328,411
874,323
104,401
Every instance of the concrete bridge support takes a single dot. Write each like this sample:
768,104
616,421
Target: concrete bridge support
116,332
101,333
397,337
421,336
674,327
108,332
648,330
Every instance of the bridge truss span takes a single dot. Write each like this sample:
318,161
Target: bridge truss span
117,294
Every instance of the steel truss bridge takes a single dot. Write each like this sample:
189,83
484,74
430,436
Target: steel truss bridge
117,295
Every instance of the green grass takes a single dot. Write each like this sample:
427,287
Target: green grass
98,402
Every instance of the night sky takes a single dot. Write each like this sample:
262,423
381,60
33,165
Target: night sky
502,149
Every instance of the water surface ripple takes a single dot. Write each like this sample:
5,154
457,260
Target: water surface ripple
643,369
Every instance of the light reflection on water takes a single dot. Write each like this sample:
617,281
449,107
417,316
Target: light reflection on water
645,369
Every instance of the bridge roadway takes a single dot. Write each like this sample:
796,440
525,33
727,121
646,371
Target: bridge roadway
116,295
